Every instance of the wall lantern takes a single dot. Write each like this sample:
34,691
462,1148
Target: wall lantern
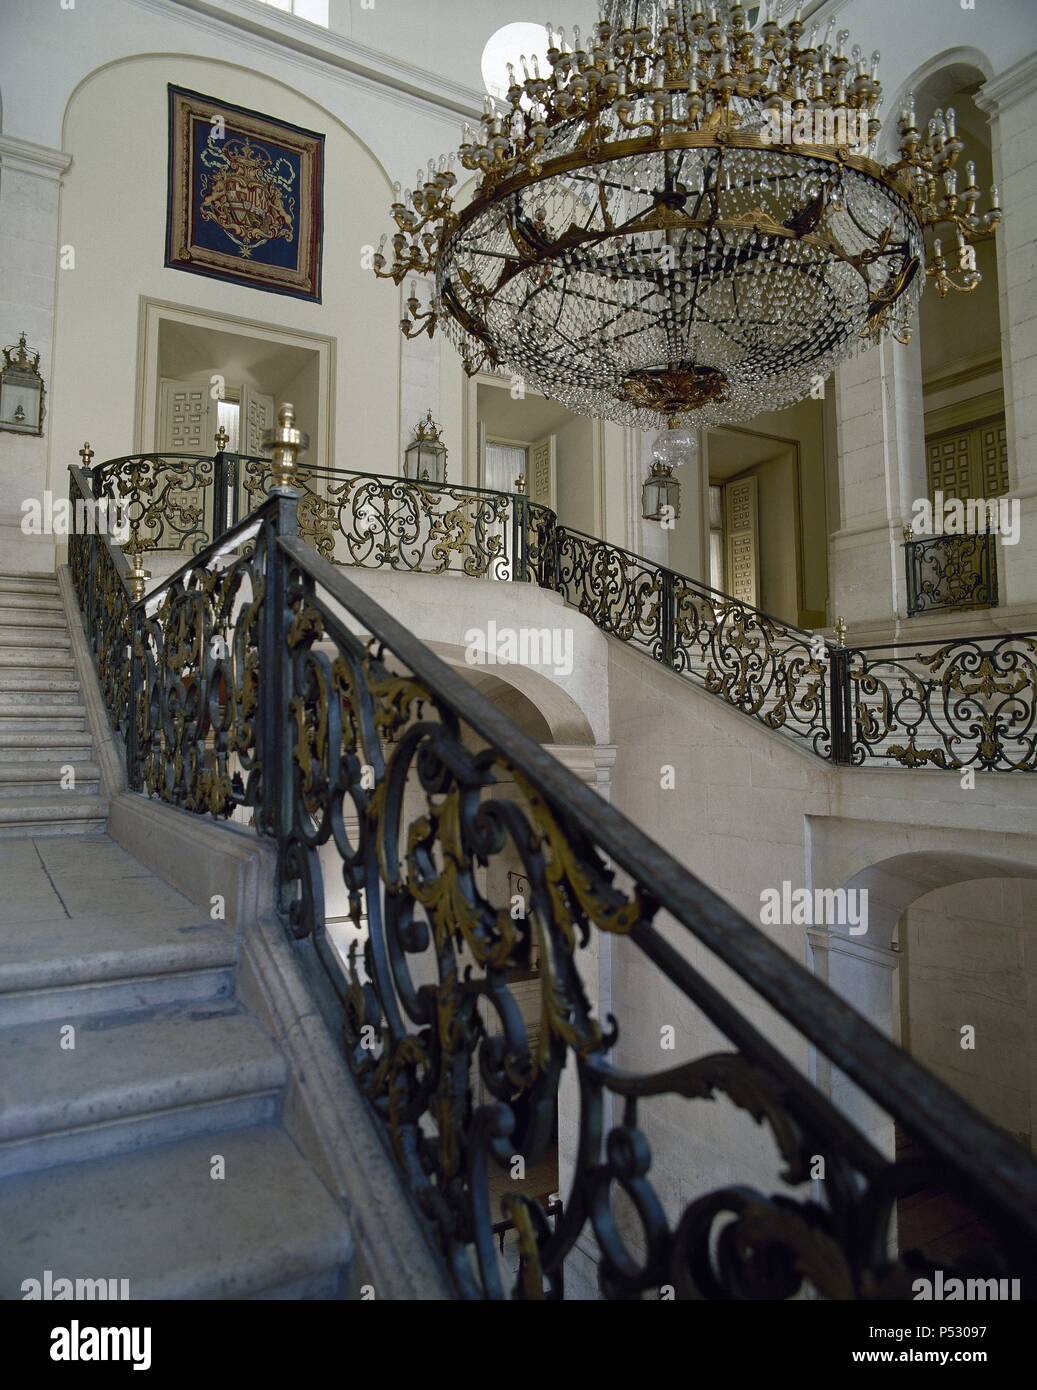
424,459
21,390
661,492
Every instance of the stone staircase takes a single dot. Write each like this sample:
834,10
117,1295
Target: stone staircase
139,1102
140,1133
49,783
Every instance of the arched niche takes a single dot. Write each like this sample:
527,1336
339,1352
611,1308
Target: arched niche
113,214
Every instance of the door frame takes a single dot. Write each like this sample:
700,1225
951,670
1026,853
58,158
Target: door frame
472,453
153,312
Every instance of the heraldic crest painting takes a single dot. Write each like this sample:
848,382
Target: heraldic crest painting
245,196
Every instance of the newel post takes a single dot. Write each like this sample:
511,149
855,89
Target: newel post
284,442
839,696
219,485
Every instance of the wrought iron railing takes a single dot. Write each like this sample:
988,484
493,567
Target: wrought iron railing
184,502
349,739
960,703
785,677
950,572
969,702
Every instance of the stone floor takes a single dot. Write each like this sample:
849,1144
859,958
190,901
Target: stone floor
51,882
127,1063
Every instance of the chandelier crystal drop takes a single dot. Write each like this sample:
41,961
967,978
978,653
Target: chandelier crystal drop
683,219
675,447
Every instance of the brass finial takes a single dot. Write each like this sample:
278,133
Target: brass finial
520,484
140,575
285,443
86,454
222,440
840,632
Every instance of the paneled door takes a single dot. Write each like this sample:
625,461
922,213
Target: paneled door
743,550
969,462
187,424
257,416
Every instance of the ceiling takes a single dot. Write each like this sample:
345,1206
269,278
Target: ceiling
525,421
733,451
186,349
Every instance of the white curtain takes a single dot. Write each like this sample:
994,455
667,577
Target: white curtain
503,464
716,537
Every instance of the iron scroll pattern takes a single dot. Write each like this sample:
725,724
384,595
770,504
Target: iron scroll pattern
377,521
973,705
776,673
166,500
426,811
951,572
196,730
375,767
965,703
100,577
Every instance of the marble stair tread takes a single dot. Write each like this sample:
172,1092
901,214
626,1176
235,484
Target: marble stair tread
44,775
37,680
95,948
35,810
159,1219
45,745
13,709
28,659
49,602
36,699
28,583
130,1065
28,719
21,637
13,617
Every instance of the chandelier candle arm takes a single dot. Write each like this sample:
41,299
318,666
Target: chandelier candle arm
682,216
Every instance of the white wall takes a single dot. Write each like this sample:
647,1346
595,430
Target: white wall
119,259
577,483
971,958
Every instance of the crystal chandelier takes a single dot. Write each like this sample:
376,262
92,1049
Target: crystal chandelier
684,218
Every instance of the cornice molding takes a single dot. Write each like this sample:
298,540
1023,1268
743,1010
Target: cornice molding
961,374
1008,87
324,50
27,158
829,939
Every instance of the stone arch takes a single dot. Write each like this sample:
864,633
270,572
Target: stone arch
121,104
864,970
959,59
894,884
128,58
538,704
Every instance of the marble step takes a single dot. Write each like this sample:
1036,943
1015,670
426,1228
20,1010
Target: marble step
25,636
39,691
68,813
267,1229
132,1080
46,585
102,963
20,717
56,661
33,602
37,776
14,617
46,746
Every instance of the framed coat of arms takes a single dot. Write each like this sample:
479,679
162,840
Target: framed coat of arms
246,196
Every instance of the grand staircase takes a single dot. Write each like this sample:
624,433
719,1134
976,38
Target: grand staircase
49,783
140,1136
140,1103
